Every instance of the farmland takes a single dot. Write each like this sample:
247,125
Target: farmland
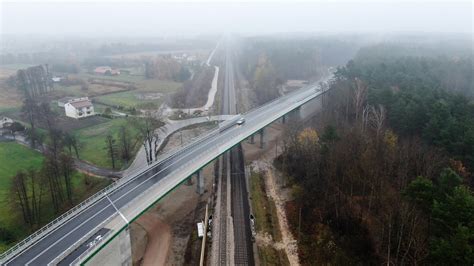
150,93
15,157
92,141
10,99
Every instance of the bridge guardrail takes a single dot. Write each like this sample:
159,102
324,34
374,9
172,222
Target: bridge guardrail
100,194
183,166
68,251
180,168
92,199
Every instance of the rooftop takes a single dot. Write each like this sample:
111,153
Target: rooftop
80,104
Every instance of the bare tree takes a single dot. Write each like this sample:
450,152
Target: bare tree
52,171
374,117
28,189
146,127
47,116
125,143
72,143
19,189
67,167
111,148
30,111
360,95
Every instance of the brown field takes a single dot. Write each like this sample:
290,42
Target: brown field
141,55
94,90
9,97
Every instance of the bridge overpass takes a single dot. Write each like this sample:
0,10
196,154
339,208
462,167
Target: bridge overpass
109,212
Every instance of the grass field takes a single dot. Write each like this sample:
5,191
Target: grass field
15,157
122,77
264,208
150,95
266,221
92,141
269,255
130,99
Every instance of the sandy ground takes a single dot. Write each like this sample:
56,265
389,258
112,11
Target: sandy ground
272,137
206,107
157,248
160,236
260,160
288,242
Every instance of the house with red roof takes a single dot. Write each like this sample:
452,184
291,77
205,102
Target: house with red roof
106,71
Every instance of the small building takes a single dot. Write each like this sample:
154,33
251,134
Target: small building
79,108
56,79
5,122
106,71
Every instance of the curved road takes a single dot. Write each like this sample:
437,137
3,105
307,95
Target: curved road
192,157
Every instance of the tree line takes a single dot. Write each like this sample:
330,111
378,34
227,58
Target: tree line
194,92
371,186
428,97
166,68
30,187
267,63
34,81
139,131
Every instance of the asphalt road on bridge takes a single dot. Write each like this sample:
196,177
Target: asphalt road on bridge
71,230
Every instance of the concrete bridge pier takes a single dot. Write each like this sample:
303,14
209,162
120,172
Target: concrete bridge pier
199,182
296,114
252,139
293,116
262,141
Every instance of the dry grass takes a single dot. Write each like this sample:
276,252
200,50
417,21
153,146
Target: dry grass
10,98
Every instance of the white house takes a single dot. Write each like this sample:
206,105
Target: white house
79,108
5,122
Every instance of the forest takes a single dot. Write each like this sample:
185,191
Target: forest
384,175
267,63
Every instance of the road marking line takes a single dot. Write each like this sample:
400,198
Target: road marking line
126,193
119,212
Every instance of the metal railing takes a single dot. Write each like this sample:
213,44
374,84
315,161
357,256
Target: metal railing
69,250
217,147
94,198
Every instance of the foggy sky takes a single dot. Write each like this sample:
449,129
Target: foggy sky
147,19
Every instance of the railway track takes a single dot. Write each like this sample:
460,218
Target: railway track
243,253
232,233
223,215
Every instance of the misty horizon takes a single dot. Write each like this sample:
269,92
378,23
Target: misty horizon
184,19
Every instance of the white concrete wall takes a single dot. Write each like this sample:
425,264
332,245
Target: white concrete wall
71,111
